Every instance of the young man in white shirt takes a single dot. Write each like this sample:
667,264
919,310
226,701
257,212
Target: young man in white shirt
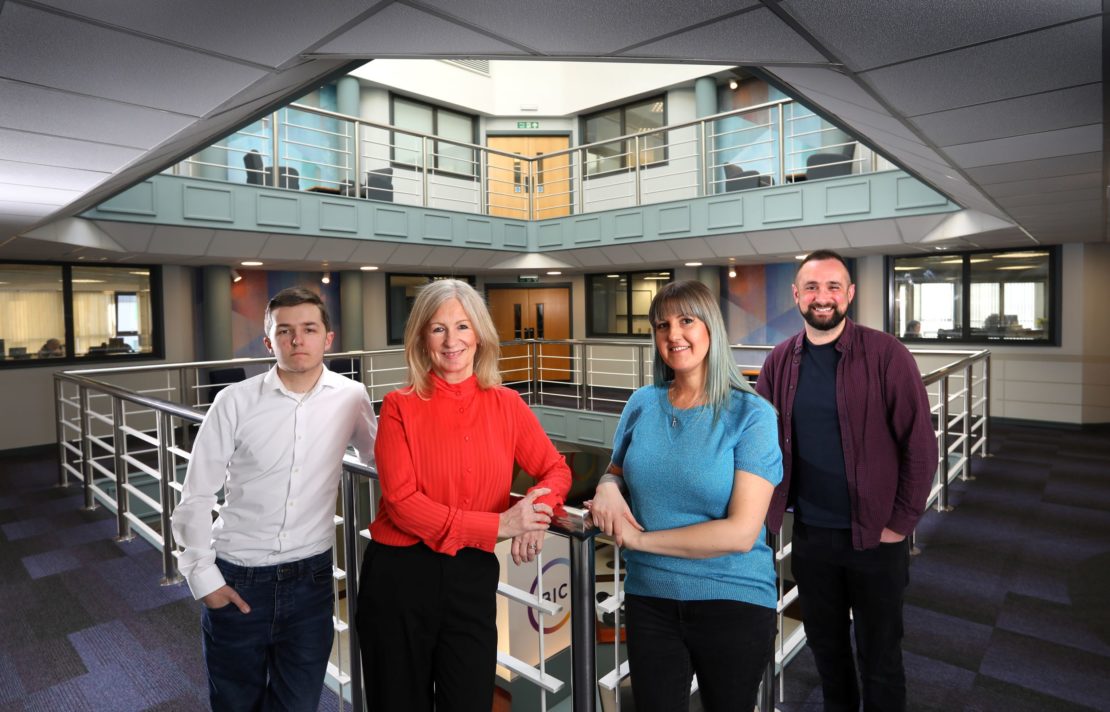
263,569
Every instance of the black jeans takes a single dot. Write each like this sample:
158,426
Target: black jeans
427,627
726,643
835,580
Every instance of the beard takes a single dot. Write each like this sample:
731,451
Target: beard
824,323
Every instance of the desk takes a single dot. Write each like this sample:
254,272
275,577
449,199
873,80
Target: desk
332,190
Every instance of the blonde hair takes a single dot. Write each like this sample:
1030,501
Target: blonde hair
430,298
693,298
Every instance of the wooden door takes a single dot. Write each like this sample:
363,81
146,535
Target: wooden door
533,313
511,182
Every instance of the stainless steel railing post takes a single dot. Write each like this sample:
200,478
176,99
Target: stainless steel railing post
275,150
638,193
583,650
165,490
351,554
942,498
123,528
424,170
986,404
86,449
969,408
59,431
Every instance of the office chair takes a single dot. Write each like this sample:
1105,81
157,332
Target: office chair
220,378
736,178
255,172
827,165
379,185
349,367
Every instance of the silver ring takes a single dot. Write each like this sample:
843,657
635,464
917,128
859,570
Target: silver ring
531,547
534,508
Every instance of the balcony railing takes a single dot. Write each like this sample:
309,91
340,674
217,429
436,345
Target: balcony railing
126,435
304,148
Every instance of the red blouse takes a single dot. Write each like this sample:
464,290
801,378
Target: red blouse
446,464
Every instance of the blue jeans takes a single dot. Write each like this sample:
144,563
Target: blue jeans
726,643
275,657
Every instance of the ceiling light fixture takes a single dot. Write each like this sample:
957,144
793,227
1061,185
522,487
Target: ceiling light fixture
733,84
251,263
369,268
554,273
693,264
732,273
326,279
235,276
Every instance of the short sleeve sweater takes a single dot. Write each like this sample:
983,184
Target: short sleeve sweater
683,474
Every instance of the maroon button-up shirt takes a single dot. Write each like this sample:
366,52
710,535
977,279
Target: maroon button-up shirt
886,429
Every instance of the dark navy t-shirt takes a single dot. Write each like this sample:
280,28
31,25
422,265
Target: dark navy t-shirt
820,483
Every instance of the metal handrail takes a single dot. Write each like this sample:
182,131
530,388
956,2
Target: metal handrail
960,437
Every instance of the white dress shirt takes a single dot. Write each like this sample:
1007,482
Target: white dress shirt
278,456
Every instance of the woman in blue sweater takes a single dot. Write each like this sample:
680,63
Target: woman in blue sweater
698,455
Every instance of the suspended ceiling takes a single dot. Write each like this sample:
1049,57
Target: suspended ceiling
997,103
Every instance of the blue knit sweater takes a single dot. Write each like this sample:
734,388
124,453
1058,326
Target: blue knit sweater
684,474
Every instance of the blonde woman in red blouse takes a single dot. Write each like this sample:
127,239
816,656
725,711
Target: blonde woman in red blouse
445,451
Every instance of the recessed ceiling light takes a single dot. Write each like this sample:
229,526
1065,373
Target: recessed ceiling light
799,257
368,268
613,276
87,281
693,264
555,272
251,263
142,273
732,273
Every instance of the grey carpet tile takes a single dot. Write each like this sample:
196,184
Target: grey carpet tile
1060,671
1052,622
991,695
46,663
952,639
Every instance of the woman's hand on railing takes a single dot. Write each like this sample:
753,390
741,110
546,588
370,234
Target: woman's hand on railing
611,513
527,546
527,515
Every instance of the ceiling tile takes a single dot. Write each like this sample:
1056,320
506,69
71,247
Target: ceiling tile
730,245
652,252
591,258
179,241
28,147
133,237
1042,61
1024,115
692,248
373,253
912,229
94,60
866,33
819,237
871,233
392,33
1041,168
620,254
774,242
756,37
286,247
1065,198
1028,147
475,259
49,176
270,33
590,29
410,255
1046,185
237,243
332,249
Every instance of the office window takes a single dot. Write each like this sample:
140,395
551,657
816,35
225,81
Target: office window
436,121
639,117
1005,296
70,311
617,303
400,293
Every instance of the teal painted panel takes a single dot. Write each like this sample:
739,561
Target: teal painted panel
628,225
592,430
551,235
847,198
726,214
516,236
394,223
438,228
912,193
674,219
782,207
554,424
587,230
479,232
137,200
278,211
207,203
338,217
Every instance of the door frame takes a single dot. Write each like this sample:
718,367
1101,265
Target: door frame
569,286
526,133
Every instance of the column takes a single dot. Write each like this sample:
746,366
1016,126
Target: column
705,104
217,313
348,101
350,308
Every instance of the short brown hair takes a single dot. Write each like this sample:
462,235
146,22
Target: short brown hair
818,255
291,297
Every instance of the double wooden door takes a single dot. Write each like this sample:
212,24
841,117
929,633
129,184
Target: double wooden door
532,313
512,181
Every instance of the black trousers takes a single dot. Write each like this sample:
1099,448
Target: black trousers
726,643
835,580
427,626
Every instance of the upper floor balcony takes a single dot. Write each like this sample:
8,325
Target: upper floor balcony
771,144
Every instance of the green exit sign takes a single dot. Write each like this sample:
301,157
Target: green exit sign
528,124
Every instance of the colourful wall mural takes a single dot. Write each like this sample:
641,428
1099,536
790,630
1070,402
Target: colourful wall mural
248,305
